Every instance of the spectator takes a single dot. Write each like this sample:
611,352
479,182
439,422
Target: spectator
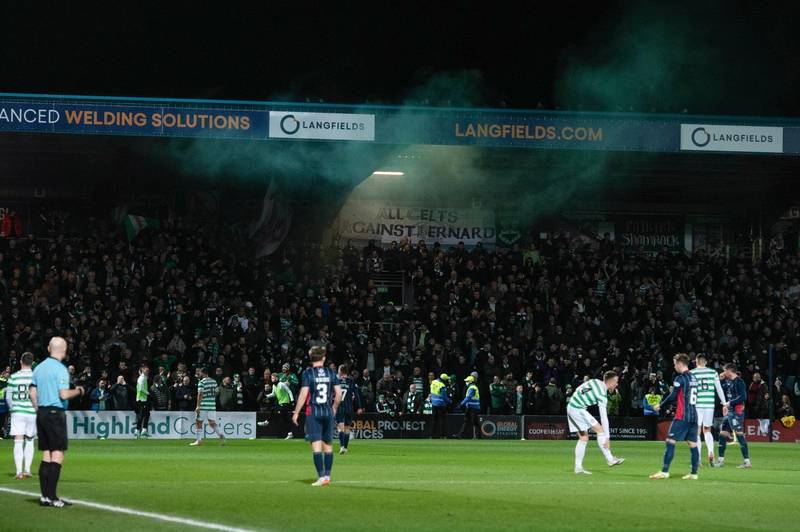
100,396
159,394
785,409
4,415
520,401
614,400
553,308
757,398
227,395
383,406
635,394
266,401
412,401
651,400
164,363
497,391
121,394
185,395
555,398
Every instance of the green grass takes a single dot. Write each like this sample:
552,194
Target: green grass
408,485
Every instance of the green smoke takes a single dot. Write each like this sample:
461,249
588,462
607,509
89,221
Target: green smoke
654,53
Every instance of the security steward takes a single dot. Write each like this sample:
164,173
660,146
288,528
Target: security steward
50,390
439,402
472,409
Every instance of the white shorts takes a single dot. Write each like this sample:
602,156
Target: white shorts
705,417
23,425
580,420
207,415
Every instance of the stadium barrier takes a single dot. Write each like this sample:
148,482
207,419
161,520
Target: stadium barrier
119,424
382,426
622,428
364,427
754,431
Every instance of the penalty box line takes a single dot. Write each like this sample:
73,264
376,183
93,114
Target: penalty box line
138,513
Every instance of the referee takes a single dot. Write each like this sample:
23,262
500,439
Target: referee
50,389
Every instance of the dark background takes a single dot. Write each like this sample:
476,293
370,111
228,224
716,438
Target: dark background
705,57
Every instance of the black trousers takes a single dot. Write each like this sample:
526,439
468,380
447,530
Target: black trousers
142,415
439,416
472,425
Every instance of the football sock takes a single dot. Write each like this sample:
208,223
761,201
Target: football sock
709,442
601,441
319,465
341,439
18,454
328,462
669,454
29,449
580,451
55,472
723,442
695,459
699,441
346,439
743,445
44,477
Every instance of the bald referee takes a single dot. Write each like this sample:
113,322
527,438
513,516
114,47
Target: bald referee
50,389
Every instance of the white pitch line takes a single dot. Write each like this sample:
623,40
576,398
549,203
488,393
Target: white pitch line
137,513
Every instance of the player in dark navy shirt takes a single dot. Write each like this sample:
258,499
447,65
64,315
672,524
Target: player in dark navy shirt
351,405
733,411
684,426
321,394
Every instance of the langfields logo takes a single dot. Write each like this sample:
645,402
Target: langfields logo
323,126
745,139
290,125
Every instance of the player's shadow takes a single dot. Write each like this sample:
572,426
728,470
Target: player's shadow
350,486
378,488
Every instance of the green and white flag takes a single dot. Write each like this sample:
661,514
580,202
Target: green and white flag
134,225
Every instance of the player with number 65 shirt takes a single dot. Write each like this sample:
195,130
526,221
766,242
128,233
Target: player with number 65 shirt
684,425
320,394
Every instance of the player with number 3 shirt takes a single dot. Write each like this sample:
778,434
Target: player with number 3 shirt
321,394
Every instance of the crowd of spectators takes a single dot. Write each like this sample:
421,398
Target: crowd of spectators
534,321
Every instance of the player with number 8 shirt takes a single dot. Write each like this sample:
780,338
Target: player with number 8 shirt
684,425
319,388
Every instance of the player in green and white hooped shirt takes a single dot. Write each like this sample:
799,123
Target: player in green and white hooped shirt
707,383
206,407
23,415
590,393
142,402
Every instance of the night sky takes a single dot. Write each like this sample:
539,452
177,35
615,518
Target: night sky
717,58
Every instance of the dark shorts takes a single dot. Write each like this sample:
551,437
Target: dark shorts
51,426
733,422
344,417
319,428
682,431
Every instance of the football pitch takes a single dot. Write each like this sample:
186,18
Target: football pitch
401,485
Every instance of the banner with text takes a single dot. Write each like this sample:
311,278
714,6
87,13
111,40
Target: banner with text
326,126
136,120
505,128
168,425
556,428
649,233
362,220
745,139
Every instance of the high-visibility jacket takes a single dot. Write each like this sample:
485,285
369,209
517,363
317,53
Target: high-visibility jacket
472,399
439,393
